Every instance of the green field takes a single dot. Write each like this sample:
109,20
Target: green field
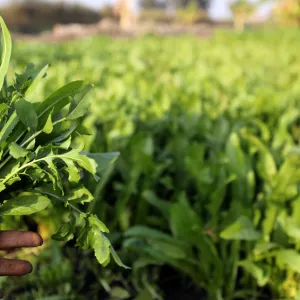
204,200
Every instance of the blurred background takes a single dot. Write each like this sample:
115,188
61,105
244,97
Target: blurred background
134,16
202,100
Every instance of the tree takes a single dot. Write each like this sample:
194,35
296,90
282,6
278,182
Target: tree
127,11
152,4
191,13
287,12
203,4
241,11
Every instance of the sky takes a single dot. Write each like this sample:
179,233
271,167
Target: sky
219,8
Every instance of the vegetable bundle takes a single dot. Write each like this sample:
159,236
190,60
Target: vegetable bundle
41,151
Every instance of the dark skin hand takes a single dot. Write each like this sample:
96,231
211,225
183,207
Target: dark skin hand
10,240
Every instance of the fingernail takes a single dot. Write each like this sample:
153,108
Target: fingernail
27,267
38,239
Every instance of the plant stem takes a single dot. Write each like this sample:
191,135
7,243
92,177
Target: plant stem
61,200
30,164
235,259
29,140
39,132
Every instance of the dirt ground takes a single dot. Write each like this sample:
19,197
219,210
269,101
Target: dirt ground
109,28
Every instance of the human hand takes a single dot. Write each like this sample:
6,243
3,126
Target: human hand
10,240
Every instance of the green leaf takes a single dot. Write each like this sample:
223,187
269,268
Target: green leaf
59,99
83,239
74,175
264,248
260,274
144,295
285,182
146,232
236,156
17,151
48,127
80,103
80,194
66,144
101,247
8,127
289,258
163,206
292,227
119,293
242,229
91,236
31,145
6,52
82,160
82,130
54,172
150,234
70,158
63,135
24,204
66,231
63,232
266,164
160,258
26,113
117,258
31,91
3,109
184,221
103,160
97,224
170,250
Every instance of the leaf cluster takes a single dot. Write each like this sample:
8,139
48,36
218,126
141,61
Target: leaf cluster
41,151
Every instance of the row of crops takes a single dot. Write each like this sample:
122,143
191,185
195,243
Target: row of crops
204,199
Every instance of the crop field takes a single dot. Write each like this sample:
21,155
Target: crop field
203,201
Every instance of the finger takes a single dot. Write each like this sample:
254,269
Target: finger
17,239
14,267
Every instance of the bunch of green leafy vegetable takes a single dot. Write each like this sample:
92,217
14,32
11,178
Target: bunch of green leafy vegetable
42,158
